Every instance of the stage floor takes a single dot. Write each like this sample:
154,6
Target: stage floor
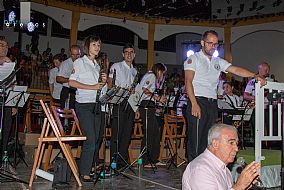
163,178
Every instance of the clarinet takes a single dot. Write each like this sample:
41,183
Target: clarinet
114,77
102,60
134,83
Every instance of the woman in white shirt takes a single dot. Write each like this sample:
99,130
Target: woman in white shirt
149,83
86,77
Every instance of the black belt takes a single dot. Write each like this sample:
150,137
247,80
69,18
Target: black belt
207,99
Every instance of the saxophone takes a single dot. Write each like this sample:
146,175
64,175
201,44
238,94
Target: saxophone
102,60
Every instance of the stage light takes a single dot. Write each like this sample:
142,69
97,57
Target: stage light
189,53
12,16
30,26
216,53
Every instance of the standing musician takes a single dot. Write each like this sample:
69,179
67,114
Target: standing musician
64,72
149,84
88,80
125,76
103,61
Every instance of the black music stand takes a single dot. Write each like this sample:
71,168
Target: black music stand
144,151
5,175
17,98
114,96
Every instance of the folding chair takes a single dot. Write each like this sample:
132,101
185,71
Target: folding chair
61,115
63,141
170,133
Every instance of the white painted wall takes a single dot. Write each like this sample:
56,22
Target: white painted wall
256,47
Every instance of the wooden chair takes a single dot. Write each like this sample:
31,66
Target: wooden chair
61,115
170,133
137,135
50,125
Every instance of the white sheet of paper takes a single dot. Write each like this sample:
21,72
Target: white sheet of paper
15,94
134,99
224,105
119,96
6,69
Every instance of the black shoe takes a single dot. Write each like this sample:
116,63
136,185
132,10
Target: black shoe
87,179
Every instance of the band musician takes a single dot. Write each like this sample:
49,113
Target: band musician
232,100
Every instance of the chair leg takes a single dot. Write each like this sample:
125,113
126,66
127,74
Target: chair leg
162,145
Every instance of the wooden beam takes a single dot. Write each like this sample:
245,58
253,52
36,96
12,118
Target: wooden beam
150,50
227,44
74,27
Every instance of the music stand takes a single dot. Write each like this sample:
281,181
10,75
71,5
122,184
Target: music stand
140,93
17,98
6,176
114,96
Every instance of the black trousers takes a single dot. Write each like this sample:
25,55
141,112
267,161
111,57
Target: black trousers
100,137
64,96
196,141
6,128
122,127
90,123
152,132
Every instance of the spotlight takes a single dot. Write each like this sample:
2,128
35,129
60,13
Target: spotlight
216,53
189,53
30,26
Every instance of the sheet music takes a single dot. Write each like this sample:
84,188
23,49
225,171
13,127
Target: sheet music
6,69
224,105
134,99
14,96
119,96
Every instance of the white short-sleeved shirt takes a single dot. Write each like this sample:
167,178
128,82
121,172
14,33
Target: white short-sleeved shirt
148,81
250,87
65,70
125,74
234,101
86,72
206,73
57,87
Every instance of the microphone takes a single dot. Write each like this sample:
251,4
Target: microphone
242,164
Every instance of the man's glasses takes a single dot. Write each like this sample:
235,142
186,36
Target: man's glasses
212,44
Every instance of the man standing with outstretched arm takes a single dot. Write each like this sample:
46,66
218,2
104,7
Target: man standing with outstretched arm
202,71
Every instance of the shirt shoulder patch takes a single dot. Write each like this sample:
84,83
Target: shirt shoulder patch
189,61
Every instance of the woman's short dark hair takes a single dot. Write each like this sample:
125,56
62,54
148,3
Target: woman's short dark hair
57,57
158,67
89,40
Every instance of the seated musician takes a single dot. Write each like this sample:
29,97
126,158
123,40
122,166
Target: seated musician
233,101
